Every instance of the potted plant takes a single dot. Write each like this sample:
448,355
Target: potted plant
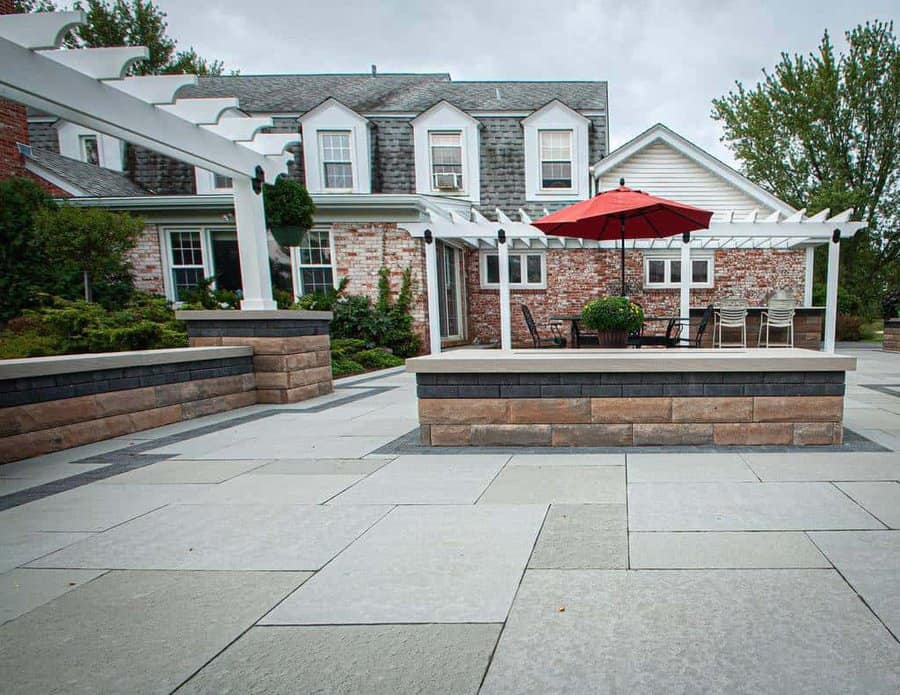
289,211
613,318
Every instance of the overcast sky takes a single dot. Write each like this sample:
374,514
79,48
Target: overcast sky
664,61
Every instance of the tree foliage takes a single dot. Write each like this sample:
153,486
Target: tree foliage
823,131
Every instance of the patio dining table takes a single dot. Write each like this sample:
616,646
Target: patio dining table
573,322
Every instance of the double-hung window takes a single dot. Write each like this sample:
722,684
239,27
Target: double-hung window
556,159
664,271
314,267
337,161
446,161
188,270
527,270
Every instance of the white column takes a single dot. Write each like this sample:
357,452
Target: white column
253,249
431,282
808,280
686,276
831,289
505,318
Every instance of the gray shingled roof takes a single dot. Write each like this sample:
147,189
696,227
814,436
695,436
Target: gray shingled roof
93,180
394,92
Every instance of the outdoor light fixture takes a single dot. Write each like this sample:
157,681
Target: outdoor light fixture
836,236
686,237
259,178
501,236
428,236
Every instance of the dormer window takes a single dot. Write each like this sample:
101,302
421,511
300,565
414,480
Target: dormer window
90,149
556,159
337,161
84,145
446,161
222,182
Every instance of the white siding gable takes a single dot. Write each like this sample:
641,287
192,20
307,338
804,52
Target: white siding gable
661,170
333,116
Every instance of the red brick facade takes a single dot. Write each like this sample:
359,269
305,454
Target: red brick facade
146,261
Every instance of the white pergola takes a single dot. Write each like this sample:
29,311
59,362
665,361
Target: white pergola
88,87
775,231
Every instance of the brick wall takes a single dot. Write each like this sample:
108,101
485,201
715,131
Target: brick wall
362,250
146,261
575,276
892,335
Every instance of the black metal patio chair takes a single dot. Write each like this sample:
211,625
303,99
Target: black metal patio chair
695,340
556,341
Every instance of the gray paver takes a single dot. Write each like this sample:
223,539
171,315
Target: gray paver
449,564
724,631
650,468
408,480
374,659
320,467
582,536
134,632
276,489
563,459
870,561
224,537
23,590
743,507
557,484
180,472
18,548
880,499
724,550
826,466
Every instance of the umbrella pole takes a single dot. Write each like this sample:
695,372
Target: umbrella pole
622,220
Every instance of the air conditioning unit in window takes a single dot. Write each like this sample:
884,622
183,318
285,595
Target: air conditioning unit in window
447,181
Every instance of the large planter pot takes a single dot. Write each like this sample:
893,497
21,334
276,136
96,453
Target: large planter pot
613,338
288,235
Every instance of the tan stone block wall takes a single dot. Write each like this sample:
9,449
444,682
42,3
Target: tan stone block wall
675,421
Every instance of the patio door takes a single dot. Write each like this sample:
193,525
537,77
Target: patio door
450,296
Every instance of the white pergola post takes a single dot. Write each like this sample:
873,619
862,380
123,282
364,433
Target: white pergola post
431,282
808,279
249,216
686,276
831,291
505,318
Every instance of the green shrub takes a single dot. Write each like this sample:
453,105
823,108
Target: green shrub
203,296
348,346
612,313
344,366
849,328
377,359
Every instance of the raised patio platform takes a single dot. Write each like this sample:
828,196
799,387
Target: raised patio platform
631,397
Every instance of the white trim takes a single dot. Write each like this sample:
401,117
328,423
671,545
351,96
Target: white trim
661,133
808,276
205,182
110,150
332,116
525,285
297,267
675,255
443,117
556,116
321,154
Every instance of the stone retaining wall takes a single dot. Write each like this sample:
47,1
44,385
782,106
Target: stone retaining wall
892,335
53,403
631,409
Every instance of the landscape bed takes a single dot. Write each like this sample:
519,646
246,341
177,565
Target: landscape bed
631,397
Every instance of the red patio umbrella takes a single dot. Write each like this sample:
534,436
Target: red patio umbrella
623,213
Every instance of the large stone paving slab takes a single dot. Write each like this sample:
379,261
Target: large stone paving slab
277,489
724,550
320,467
18,548
582,536
224,537
743,507
435,564
421,480
826,466
717,631
23,590
684,468
563,459
179,472
557,485
372,659
134,632
882,500
870,561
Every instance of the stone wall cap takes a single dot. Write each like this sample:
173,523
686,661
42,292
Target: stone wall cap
66,364
892,323
598,360
274,315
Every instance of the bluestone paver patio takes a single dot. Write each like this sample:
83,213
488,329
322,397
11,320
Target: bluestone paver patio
316,548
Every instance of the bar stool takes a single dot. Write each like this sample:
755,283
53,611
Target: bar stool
778,314
731,314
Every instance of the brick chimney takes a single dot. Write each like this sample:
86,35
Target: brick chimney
13,125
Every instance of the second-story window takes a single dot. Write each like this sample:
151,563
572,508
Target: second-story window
337,163
446,161
222,182
556,159
90,149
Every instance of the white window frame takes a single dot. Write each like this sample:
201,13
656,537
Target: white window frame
165,247
521,254
321,145
110,150
462,159
667,257
297,267
82,140
541,160
443,117
206,183
556,116
332,116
